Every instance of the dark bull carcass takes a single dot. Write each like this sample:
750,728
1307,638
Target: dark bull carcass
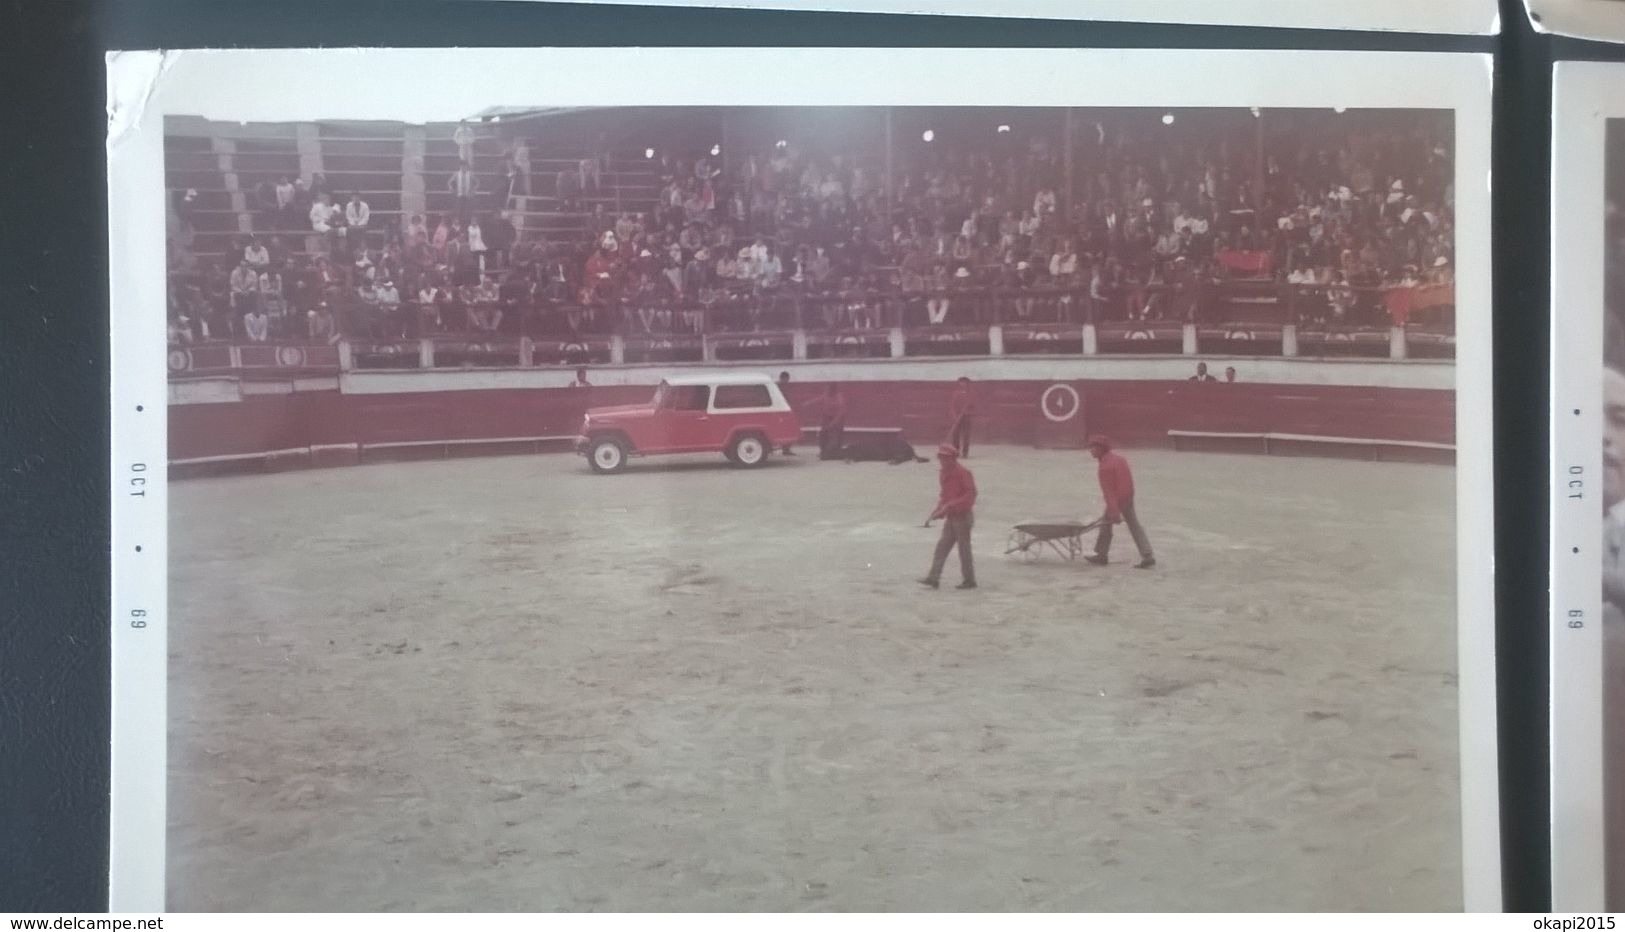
874,445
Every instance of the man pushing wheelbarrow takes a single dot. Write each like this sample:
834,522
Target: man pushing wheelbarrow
1117,487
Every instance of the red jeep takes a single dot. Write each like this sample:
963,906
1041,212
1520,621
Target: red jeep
742,416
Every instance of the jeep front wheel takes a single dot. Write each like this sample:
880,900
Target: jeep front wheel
748,450
607,455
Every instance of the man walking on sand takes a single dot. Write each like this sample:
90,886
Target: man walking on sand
1117,487
954,505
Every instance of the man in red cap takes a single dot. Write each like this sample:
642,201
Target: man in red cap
954,504
1117,486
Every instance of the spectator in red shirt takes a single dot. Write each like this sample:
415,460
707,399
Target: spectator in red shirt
832,432
961,407
1117,487
955,503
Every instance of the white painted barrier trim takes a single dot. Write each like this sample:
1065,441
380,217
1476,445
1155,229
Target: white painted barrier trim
1315,438
402,444
240,457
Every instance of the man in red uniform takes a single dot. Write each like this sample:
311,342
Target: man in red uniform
960,409
832,432
954,505
1117,486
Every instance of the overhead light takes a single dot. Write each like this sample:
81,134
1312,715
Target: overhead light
648,153
497,118
1004,127
1338,109
928,135
782,143
1167,119
716,150
1255,111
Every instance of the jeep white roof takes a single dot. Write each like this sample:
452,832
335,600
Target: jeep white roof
721,378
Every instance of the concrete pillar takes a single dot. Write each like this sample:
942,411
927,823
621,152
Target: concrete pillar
708,350
234,356
896,339
310,149
346,360
413,197
1189,342
527,352
1091,340
1289,340
426,353
617,350
798,344
1396,342
995,340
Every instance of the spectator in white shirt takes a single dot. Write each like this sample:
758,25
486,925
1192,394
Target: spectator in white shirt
476,242
256,255
1064,264
257,325
245,287
321,215
356,215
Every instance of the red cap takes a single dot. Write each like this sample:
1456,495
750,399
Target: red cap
948,449
1100,440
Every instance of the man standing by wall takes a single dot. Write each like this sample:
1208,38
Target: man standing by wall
784,389
464,186
832,432
1117,487
955,503
961,408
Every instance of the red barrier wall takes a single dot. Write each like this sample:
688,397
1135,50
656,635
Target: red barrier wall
1133,412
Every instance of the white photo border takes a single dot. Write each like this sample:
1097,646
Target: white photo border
232,84
1583,19
1585,95
1465,17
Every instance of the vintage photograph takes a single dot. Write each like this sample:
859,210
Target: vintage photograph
863,505
1588,465
1474,17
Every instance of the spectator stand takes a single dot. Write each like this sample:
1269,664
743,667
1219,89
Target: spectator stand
632,231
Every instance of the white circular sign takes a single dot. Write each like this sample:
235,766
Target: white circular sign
290,356
1055,406
179,360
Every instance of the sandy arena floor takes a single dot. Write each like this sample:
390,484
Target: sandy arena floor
501,684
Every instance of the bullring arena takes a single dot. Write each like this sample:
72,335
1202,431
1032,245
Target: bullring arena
423,658
509,683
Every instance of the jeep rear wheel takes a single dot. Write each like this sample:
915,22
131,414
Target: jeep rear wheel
748,450
607,455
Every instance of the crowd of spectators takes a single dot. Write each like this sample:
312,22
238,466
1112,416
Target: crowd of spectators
1152,218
